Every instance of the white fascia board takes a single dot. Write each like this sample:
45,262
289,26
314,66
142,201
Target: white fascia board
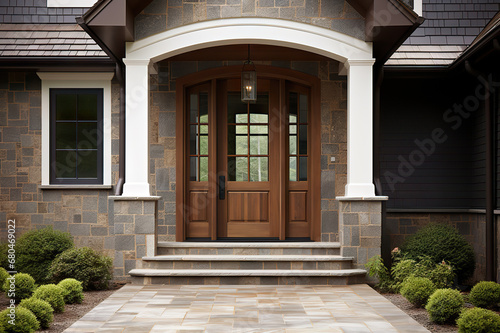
70,3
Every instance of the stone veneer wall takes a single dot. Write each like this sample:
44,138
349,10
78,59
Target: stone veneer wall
333,137
162,15
471,226
83,213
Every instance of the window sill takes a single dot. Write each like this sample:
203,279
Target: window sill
75,187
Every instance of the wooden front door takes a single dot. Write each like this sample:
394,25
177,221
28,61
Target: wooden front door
248,170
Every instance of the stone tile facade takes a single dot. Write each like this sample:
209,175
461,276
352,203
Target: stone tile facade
333,137
162,15
471,225
83,213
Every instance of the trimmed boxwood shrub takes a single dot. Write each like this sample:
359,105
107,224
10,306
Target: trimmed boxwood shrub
24,286
36,249
4,248
444,305
442,242
41,309
25,321
3,276
417,290
485,294
478,320
52,294
85,265
73,290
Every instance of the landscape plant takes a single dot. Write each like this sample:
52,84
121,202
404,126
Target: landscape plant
478,320
3,276
376,268
19,286
417,290
52,294
26,321
73,290
444,305
485,294
41,309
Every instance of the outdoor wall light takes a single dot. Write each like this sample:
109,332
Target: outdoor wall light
248,81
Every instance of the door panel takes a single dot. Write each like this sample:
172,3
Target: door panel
248,207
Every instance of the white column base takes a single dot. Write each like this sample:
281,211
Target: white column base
360,190
136,190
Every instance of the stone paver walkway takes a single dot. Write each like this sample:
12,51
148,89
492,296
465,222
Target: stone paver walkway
220,309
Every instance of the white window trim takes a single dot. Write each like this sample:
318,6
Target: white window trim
71,3
418,7
78,81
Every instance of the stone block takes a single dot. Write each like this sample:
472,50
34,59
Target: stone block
35,120
27,207
99,231
147,25
248,7
360,206
123,218
354,28
60,225
332,8
124,242
174,17
355,239
213,12
118,259
156,7
140,239
281,3
52,195
79,229
268,12
329,222
109,243
166,126
370,242
149,207
89,217
376,219
103,202
119,229
349,219
129,265
328,184
312,8
144,224
230,11
134,207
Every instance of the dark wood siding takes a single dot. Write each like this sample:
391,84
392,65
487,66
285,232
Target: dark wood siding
450,175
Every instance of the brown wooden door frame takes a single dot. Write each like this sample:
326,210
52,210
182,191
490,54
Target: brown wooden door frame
314,142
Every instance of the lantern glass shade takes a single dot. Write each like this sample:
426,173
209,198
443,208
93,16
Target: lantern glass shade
249,86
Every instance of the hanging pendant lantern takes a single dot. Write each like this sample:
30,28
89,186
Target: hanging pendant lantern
249,81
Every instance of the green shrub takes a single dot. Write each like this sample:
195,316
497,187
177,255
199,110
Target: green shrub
4,248
485,294
442,274
441,242
24,286
73,290
41,309
25,320
85,265
3,276
417,290
478,320
400,271
36,249
444,305
376,268
52,294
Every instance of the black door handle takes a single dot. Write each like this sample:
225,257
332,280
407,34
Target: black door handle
222,187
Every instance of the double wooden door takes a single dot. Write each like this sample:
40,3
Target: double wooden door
248,166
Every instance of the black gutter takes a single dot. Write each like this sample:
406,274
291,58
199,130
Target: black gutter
120,75
490,207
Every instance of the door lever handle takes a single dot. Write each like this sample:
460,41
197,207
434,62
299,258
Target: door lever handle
222,187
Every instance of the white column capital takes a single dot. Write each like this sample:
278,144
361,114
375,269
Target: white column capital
358,62
136,62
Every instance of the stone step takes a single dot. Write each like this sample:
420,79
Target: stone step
245,276
257,262
250,248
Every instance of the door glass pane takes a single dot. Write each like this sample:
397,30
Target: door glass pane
303,108
193,168
65,164
258,129
303,168
193,139
293,168
66,107
237,143
204,145
237,111
293,144
293,108
87,135
193,108
259,169
237,168
204,108
65,135
87,107
203,169
259,112
87,164
258,145
203,129
303,139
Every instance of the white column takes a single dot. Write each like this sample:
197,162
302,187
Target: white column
136,129
359,128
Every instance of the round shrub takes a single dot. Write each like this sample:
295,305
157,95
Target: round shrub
85,265
442,242
444,305
73,290
478,320
19,286
36,249
417,290
400,271
25,320
3,276
52,294
485,294
41,309
4,248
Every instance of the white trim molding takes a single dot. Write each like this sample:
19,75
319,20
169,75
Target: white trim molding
70,3
76,80
418,7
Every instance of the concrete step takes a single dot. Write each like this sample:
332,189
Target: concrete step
249,248
256,262
245,276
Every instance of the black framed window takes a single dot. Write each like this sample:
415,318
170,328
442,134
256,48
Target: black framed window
76,136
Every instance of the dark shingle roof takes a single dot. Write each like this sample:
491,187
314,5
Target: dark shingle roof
46,40
450,27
